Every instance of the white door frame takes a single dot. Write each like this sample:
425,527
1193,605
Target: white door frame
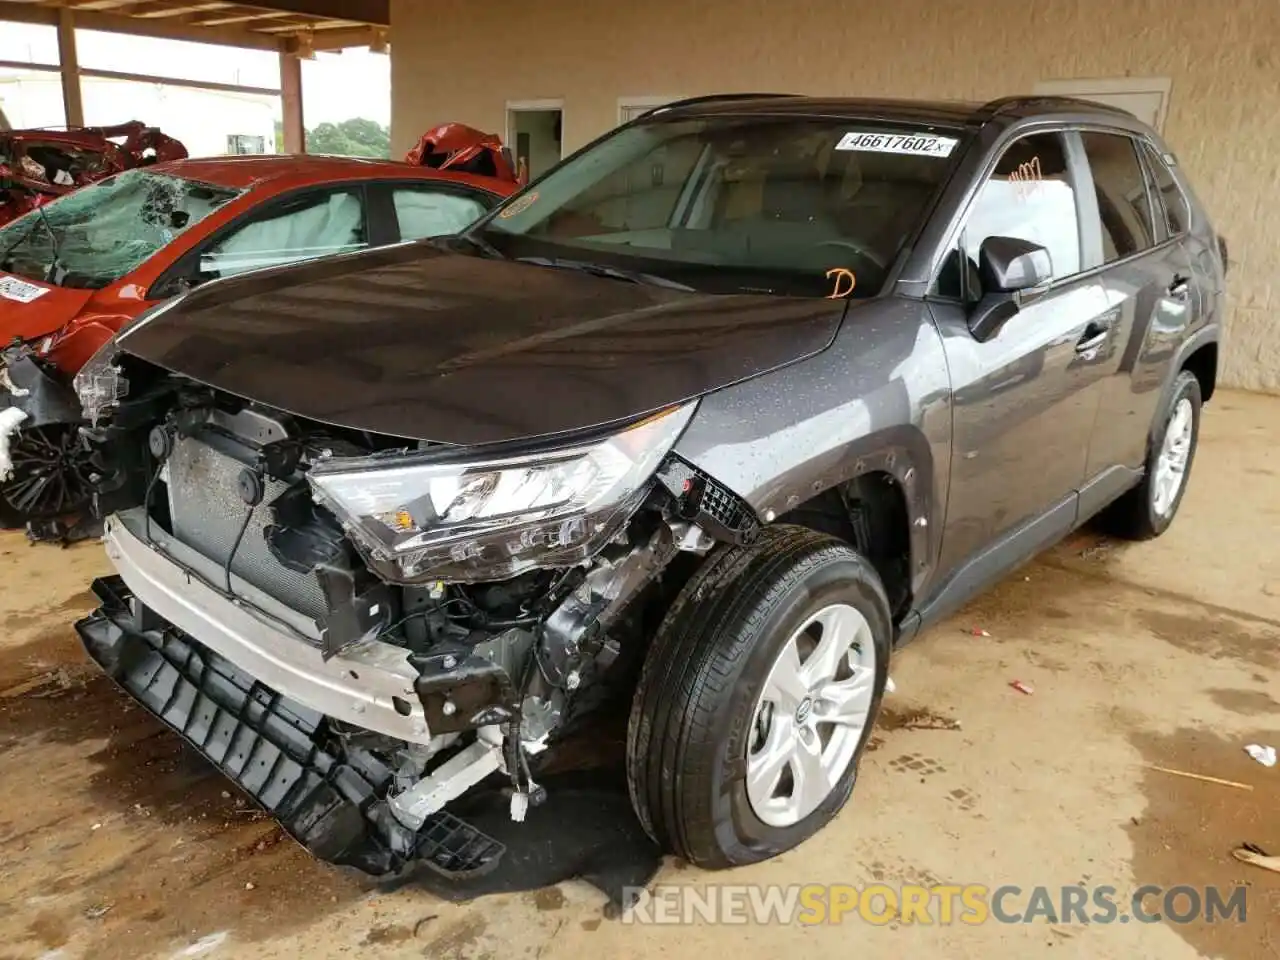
646,102
1087,86
524,106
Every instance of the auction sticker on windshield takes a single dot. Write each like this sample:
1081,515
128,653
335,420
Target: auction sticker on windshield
915,144
11,288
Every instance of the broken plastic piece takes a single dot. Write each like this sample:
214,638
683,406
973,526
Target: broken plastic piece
1263,754
519,806
978,632
10,422
1022,687
890,686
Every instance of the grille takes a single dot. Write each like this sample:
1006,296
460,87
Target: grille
207,514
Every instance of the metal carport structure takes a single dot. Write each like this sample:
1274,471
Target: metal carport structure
295,29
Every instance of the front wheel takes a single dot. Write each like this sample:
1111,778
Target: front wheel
50,476
757,698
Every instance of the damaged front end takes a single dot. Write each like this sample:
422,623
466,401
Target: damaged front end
358,629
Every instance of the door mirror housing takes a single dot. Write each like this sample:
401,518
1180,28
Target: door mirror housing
1014,273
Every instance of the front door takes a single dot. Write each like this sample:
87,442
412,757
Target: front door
1022,408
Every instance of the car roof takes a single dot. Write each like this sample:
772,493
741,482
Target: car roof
292,170
933,112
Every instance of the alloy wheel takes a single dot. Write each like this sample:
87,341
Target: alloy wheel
51,473
809,718
1171,463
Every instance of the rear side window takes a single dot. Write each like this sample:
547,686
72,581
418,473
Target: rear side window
1171,202
1121,189
430,212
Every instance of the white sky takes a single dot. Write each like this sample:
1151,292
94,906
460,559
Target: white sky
355,83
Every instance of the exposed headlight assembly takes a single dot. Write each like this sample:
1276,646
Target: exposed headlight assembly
431,517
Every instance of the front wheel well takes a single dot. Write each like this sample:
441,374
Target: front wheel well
1203,364
869,513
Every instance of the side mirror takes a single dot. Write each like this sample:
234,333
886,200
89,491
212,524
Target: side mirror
1013,273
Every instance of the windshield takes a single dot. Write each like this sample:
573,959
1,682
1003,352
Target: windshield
97,234
735,204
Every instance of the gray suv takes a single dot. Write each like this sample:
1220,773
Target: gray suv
706,421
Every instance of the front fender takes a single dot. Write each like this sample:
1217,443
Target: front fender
878,399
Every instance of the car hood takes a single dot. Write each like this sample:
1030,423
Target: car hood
417,342
26,314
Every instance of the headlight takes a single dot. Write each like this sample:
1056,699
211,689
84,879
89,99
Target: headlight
99,384
426,518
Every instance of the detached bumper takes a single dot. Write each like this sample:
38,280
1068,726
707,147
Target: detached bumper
328,795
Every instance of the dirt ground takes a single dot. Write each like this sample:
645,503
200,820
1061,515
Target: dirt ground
117,842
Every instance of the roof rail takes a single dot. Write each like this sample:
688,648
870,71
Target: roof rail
994,108
715,98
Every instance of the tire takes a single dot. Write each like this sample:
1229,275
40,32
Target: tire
69,495
1137,515
696,711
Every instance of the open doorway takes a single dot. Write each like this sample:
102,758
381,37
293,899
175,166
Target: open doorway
535,134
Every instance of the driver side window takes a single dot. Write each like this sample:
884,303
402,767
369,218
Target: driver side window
310,225
1029,196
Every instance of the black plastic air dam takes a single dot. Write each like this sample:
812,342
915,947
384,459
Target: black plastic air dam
328,797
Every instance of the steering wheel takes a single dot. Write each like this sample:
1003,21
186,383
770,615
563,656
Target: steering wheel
858,251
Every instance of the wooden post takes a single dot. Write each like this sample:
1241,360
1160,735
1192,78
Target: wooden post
69,67
295,132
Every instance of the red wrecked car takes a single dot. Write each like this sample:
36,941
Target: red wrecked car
73,271
37,166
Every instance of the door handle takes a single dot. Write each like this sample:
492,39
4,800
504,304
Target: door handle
1094,336
1179,287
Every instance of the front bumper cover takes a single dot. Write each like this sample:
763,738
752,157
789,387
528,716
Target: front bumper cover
328,795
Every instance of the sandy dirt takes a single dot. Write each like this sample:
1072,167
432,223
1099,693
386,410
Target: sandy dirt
116,841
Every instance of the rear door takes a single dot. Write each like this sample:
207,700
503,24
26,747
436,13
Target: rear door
417,209
1149,283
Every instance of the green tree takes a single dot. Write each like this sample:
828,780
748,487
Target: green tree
356,137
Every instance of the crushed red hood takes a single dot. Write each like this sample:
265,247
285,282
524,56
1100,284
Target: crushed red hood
30,309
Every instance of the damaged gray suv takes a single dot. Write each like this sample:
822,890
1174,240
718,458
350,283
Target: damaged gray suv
704,423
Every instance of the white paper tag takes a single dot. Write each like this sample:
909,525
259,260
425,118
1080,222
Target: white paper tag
914,144
11,288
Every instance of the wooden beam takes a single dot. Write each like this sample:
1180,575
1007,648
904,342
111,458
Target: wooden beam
227,18
72,99
28,13
295,131
346,37
377,12
113,23
143,78
166,29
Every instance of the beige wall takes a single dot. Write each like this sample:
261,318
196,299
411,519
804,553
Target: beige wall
1223,58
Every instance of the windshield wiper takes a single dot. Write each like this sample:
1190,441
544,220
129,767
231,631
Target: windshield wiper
41,218
54,263
612,273
6,260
